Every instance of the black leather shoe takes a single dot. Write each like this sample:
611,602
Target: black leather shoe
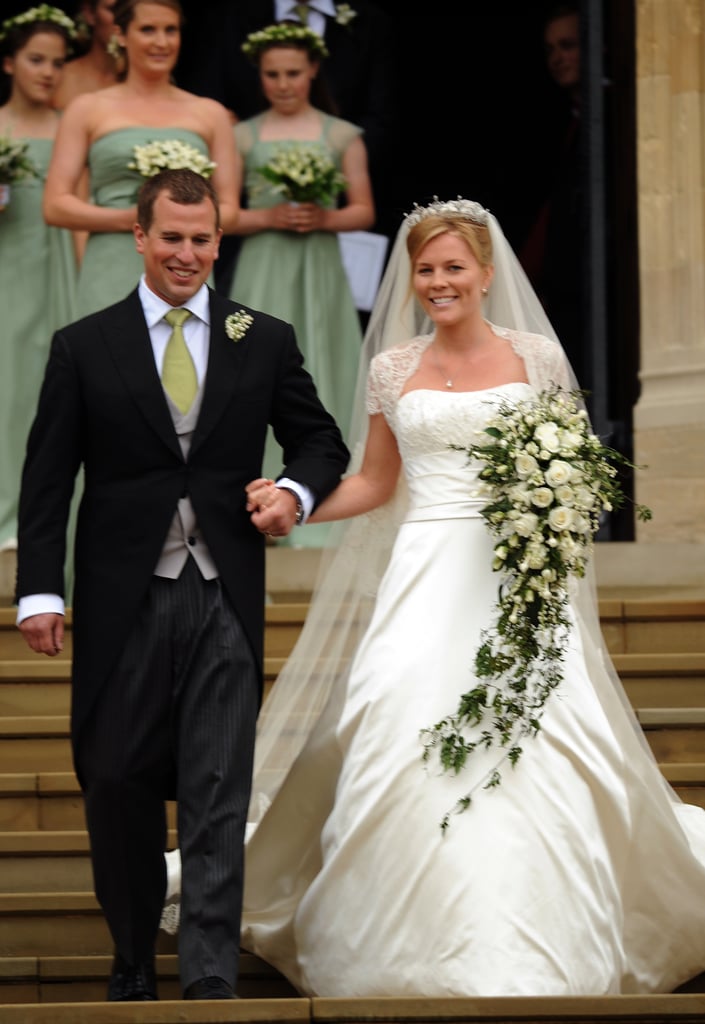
209,988
132,982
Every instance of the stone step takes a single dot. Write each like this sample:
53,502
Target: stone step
61,979
674,734
682,672
629,627
663,680
46,801
283,624
678,1008
51,799
653,626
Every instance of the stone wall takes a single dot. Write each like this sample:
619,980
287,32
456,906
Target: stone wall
669,420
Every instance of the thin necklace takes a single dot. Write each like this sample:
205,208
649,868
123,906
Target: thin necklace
448,380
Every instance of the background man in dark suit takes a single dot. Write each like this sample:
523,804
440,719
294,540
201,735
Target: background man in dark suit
169,575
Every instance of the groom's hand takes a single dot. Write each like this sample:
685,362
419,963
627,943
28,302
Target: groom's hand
44,633
273,509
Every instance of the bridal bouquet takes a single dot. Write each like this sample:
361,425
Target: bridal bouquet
15,163
169,154
548,479
304,174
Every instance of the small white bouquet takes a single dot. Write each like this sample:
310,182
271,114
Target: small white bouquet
548,479
304,174
15,165
169,154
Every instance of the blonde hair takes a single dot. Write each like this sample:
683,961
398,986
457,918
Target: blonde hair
476,236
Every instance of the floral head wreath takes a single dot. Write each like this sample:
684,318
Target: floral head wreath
453,209
44,12
283,33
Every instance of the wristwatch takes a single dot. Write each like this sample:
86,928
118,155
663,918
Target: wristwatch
299,505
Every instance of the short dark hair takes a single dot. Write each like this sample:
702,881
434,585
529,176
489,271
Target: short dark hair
182,186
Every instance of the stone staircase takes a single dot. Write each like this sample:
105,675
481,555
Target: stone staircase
55,951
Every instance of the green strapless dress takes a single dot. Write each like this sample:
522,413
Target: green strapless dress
37,293
301,279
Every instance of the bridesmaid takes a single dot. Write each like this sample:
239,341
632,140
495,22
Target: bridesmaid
100,130
38,267
97,67
290,264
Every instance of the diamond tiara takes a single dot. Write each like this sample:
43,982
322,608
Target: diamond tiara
464,209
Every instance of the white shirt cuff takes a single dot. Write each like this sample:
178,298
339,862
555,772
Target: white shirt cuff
303,492
39,604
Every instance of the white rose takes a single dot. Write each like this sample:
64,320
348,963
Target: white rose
542,497
536,557
581,524
559,472
584,498
519,495
572,440
526,524
565,495
547,436
561,518
568,547
525,465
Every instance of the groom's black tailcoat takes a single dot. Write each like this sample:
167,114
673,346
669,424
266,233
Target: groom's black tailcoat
102,405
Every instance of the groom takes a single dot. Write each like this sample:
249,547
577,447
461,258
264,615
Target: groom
169,574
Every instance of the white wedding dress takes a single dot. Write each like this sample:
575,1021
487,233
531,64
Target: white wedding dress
579,874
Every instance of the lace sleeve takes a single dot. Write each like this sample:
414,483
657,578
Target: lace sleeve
545,360
389,372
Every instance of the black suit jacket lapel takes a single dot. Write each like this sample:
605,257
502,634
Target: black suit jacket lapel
127,339
224,356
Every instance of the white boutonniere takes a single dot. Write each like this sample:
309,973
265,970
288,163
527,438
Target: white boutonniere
237,324
344,14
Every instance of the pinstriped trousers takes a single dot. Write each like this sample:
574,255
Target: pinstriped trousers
176,719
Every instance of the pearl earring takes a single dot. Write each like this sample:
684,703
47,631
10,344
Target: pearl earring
484,291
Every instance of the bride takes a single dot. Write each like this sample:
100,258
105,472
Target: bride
581,873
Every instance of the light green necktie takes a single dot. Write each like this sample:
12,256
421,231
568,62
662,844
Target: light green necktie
302,11
178,372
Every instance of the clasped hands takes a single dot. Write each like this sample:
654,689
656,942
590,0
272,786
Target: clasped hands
300,217
273,509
